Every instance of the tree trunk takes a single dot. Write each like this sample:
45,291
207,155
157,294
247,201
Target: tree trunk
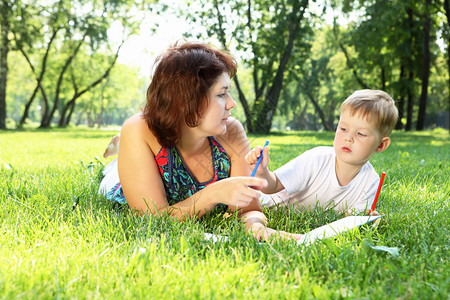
248,116
448,64
325,124
410,102
410,92
425,68
4,60
46,121
38,79
265,116
69,116
63,121
383,79
26,111
447,14
401,102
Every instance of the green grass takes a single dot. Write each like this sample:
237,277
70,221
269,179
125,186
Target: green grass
59,239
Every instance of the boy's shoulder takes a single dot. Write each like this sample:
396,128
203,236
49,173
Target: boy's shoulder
319,155
368,168
321,151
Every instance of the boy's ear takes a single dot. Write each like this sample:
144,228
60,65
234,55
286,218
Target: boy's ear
385,142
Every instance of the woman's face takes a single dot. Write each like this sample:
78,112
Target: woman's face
216,116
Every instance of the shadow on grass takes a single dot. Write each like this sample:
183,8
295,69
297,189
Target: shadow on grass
70,133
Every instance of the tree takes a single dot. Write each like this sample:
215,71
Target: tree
394,45
267,34
425,67
5,16
112,101
446,36
324,79
63,29
69,107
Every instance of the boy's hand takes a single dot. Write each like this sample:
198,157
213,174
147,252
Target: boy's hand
368,212
372,213
266,234
252,157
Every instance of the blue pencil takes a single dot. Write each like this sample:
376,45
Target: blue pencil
259,159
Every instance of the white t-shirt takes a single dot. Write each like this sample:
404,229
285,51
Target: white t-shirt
310,179
111,173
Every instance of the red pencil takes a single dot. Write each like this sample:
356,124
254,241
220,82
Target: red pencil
378,191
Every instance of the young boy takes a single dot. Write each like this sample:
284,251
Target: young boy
339,177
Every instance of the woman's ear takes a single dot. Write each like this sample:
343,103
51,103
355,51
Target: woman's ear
385,142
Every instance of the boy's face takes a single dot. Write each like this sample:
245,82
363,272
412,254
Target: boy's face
357,139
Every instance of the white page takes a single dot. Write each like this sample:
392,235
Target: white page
336,227
325,231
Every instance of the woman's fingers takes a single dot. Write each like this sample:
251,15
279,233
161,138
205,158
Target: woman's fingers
238,191
254,182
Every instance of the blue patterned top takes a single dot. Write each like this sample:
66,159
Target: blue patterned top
179,183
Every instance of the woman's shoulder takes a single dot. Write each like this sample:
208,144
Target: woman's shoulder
234,140
135,121
135,127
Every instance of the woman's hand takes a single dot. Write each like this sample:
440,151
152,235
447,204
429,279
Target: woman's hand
236,191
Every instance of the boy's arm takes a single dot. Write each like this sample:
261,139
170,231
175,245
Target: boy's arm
274,184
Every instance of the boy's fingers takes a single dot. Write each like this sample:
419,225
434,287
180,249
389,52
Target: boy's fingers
258,150
252,156
266,154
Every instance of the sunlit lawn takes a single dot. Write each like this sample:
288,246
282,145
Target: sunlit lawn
59,239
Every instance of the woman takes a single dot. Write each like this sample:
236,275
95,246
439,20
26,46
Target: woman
184,153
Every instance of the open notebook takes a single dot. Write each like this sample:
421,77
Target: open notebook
336,227
325,231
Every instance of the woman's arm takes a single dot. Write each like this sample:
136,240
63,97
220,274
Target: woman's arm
140,177
143,187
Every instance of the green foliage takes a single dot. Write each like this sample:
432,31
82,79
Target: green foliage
378,46
385,47
66,46
59,239
268,36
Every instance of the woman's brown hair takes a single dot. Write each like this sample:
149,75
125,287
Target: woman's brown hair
179,88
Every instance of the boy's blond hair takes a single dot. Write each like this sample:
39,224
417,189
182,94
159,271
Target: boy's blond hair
373,103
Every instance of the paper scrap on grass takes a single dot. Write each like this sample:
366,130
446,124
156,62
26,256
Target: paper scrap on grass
335,228
215,238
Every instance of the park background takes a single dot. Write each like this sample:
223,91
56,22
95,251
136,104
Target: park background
66,63
73,78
